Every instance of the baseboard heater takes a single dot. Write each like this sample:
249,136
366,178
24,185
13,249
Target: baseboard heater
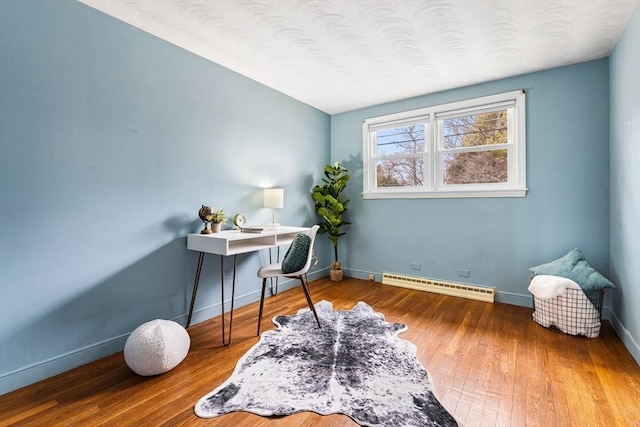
480,293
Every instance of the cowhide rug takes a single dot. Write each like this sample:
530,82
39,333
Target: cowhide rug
354,365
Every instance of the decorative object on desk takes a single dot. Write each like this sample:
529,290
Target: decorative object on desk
218,218
355,365
240,220
274,199
206,215
156,347
331,206
252,229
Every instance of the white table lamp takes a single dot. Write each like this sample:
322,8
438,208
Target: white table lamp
274,199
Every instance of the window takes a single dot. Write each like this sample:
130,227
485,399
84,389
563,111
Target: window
473,148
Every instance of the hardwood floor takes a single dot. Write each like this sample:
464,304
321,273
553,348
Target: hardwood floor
491,365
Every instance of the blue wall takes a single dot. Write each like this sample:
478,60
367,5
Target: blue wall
110,140
497,239
625,184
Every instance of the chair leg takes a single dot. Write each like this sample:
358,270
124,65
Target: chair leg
264,287
307,294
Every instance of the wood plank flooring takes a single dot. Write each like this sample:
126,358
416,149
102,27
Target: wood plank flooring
491,365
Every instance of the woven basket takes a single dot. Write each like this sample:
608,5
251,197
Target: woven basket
575,312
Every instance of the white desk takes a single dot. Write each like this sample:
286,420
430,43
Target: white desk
234,242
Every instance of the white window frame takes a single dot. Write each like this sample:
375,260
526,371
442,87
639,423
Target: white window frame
432,117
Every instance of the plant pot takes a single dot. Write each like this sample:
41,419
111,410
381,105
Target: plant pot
215,227
335,274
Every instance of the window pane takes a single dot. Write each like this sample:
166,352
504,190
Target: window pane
468,148
475,130
404,172
475,168
400,140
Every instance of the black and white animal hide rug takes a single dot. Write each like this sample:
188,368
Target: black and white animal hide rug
354,365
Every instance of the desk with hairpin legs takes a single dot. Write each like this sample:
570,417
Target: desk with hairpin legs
232,243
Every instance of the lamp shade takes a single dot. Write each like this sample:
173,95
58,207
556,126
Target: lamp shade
274,198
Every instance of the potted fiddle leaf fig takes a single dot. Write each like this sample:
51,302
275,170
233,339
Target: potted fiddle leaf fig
330,207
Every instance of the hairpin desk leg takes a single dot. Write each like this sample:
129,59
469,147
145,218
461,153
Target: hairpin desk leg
271,279
196,281
233,293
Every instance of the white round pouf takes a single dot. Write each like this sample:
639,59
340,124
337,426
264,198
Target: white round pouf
156,347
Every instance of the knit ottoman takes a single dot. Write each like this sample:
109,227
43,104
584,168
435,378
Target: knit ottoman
156,347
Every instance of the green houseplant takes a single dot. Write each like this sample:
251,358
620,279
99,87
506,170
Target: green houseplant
330,207
219,216
217,219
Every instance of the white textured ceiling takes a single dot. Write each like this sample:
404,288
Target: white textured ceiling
340,55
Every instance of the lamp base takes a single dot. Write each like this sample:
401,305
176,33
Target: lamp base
273,224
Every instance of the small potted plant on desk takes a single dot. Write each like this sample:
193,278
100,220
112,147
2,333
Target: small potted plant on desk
217,219
330,206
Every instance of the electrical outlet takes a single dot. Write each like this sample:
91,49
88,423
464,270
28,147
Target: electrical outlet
372,277
464,273
415,266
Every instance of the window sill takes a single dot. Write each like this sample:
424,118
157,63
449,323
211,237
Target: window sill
445,194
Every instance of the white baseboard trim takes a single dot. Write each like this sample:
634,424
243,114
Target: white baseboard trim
38,371
625,336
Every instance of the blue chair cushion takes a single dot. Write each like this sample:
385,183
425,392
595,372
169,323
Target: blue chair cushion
296,256
575,267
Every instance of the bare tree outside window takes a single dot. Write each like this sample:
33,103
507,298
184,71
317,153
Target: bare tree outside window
403,162
487,166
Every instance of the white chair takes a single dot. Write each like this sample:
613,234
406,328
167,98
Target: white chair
275,270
